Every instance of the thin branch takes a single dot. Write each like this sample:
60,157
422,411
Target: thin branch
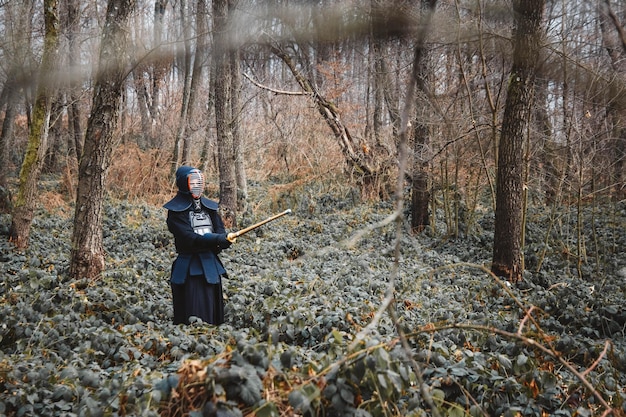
531,342
524,320
349,243
275,91
473,129
618,26
505,286
427,11
597,361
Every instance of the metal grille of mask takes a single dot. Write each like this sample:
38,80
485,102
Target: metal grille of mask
195,179
201,222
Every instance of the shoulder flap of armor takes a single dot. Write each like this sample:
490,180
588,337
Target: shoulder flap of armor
180,202
210,204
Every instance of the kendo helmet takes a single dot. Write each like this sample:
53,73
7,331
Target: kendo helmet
190,181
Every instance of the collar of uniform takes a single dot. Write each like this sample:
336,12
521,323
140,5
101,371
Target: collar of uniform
182,201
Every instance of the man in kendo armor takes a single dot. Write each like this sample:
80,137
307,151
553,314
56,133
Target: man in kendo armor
199,236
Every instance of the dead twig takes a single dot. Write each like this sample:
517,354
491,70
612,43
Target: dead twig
274,90
533,343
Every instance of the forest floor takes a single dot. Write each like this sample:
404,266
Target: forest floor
304,332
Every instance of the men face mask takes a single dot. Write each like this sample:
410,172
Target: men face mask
195,180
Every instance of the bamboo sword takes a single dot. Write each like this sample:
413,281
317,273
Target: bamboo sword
234,235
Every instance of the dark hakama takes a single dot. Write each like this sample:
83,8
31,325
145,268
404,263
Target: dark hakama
199,237
198,298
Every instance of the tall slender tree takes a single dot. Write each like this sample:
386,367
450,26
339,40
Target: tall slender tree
87,257
223,112
14,51
24,205
182,141
356,152
507,254
200,63
614,40
159,69
9,99
73,108
238,145
420,194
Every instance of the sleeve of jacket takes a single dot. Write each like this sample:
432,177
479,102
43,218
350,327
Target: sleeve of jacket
185,238
218,223
188,241
219,241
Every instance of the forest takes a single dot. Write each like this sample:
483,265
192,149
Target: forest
454,171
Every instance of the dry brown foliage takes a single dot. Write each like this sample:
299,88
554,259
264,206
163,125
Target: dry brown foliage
55,203
140,174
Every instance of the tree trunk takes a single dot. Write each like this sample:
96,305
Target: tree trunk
357,154
238,145
616,49
201,54
376,80
87,257
73,110
223,114
55,149
159,66
207,157
182,138
199,62
15,50
384,26
507,256
143,103
9,95
24,207
547,155
420,194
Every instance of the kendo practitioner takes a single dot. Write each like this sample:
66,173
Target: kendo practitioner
199,236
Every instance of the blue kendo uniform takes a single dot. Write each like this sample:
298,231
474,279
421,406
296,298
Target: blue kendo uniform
199,236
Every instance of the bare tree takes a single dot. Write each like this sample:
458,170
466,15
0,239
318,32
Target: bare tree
87,257
421,178
238,145
200,63
14,51
356,152
182,141
224,118
159,69
9,100
507,261
24,206
143,99
387,31
614,41
350,60
150,68
73,108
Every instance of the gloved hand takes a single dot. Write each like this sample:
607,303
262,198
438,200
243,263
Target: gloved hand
217,240
224,243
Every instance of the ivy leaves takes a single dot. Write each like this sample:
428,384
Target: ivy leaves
109,346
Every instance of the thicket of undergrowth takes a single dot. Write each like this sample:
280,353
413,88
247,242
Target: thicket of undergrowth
300,296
